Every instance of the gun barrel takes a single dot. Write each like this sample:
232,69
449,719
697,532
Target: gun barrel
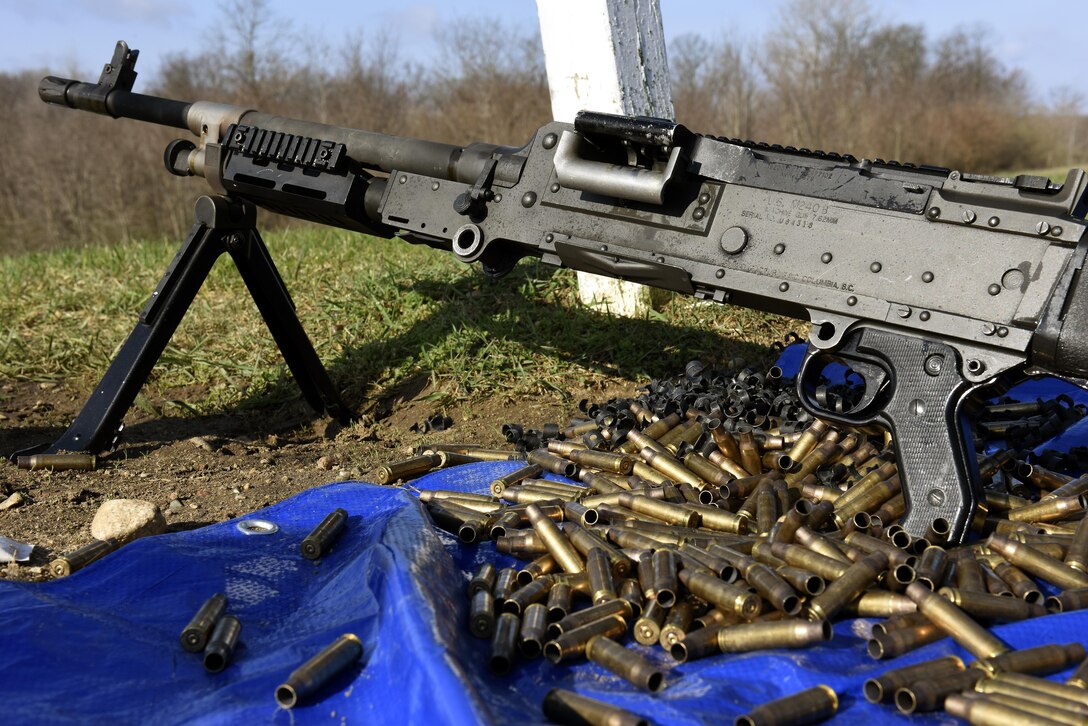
117,103
369,149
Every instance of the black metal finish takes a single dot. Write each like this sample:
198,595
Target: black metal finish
222,225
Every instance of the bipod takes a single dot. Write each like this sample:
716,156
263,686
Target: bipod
222,225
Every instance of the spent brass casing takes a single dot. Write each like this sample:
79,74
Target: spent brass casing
631,591
1079,677
406,469
699,643
1077,554
766,509
797,556
808,440
676,623
854,581
481,614
957,624
1068,601
667,465
665,565
929,694
992,608
1021,585
719,520
319,670
559,601
706,469
573,621
999,710
501,484
747,637
627,664
994,584
603,460
811,462
881,604
584,541
729,598
1037,563
772,588
505,581
534,626
321,539
538,568
534,591
802,581
932,567
567,707
869,494
504,643
600,483
521,543
1042,685
195,635
220,648
572,643
601,586
749,453
57,462
507,520
1041,660
895,643
558,545
647,628
820,544
968,572
550,462
809,706
78,559
430,495
895,555
882,688
1052,509
530,495
904,620
585,516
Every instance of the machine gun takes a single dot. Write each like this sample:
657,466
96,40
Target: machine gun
930,284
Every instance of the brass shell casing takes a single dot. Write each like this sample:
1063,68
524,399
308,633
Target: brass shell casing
809,706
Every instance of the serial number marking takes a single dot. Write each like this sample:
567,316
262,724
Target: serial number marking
803,213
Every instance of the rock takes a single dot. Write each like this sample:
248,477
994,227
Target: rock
127,520
202,443
175,505
324,463
15,500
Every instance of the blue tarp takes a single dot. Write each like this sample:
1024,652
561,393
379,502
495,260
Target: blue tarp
102,644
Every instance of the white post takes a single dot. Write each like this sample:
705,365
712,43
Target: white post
608,56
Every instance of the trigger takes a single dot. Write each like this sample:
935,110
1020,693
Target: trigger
875,378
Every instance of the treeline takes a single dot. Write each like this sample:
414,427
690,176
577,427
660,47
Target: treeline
830,76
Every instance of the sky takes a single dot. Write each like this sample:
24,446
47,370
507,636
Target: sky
1043,38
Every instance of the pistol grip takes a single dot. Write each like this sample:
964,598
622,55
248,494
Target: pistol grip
922,405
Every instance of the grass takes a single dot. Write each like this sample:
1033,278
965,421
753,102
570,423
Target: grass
382,314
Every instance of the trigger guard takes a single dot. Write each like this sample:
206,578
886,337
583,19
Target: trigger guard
873,372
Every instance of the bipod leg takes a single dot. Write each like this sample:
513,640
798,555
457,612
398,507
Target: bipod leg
221,225
278,310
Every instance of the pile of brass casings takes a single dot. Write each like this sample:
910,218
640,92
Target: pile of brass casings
708,535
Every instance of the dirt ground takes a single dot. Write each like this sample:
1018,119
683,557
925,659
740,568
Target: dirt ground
202,470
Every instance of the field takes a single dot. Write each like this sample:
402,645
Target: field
406,332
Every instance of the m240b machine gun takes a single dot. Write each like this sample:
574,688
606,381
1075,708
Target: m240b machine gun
930,284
